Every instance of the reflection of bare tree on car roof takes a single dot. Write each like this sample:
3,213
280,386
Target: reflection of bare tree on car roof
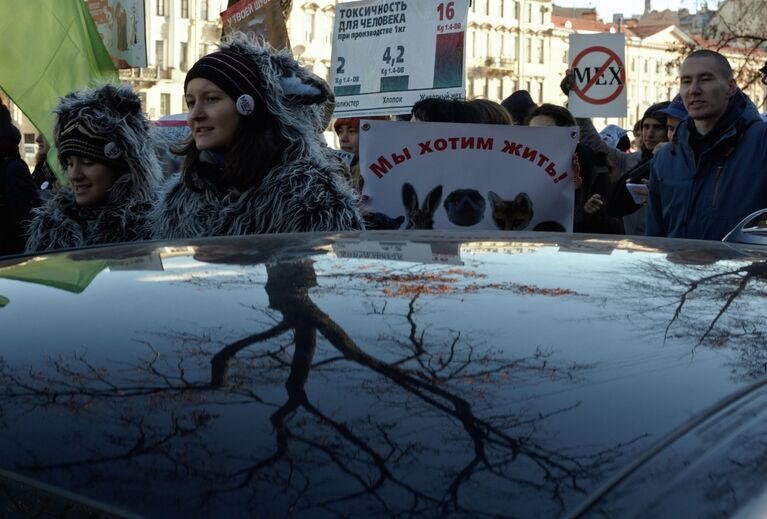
325,456
710,300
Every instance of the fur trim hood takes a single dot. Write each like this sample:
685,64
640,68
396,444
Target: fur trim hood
62,224
306,191
115,112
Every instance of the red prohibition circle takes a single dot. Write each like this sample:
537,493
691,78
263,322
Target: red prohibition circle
611,57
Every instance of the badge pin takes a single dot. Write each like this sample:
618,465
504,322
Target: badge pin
112,151
245,104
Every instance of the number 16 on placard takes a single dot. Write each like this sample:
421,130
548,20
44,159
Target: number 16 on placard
448,55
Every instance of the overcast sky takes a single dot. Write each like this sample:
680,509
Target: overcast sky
607,8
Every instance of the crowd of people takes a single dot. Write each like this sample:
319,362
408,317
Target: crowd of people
256,160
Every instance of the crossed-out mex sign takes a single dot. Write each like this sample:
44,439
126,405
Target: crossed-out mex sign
599,75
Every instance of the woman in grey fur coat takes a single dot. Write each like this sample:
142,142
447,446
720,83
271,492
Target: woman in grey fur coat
256,162
105,144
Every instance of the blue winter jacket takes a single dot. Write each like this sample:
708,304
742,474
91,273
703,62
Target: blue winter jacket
729,182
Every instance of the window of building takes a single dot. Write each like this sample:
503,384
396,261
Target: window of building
161,8
184,8
633,64
487,7
488,43
473,42
164,104
499,95
159,53
657,67
529,50
503,8
515,3
529,13
540,92
564,57
646,65
203,9
183,56
309,20
541,49
543,15
329,20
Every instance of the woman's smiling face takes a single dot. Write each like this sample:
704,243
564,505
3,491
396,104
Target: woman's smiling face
213,116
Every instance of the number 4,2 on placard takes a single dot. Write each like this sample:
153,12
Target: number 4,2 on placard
391,60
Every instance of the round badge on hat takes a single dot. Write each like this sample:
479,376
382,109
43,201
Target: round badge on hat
112,151
245,104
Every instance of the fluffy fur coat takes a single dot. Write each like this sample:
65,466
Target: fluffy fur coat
61,223
305,192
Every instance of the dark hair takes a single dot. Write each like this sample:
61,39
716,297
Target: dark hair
488,112
438,110
254,151
561,116
624,143
722,65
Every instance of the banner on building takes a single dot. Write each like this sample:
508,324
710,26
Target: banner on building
389,54
599,75
258,19
121,25
460,176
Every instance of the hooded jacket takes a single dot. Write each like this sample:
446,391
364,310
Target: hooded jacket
304,192
123,217
707,197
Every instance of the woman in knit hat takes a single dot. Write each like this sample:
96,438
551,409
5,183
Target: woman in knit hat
256,162
106,145
18,194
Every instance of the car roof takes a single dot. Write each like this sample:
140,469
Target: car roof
381,373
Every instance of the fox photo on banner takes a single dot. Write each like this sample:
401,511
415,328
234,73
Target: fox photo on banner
461,176
389,54
121,26
599,75
258,18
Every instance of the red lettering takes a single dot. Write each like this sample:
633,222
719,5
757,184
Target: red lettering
440,145
485,144
542,160
407,153
453,142
550,169
399,159
467,142
528,153
425,147
512,148
381,168
561,177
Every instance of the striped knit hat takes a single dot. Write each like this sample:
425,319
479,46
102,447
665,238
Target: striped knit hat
76,138
236,75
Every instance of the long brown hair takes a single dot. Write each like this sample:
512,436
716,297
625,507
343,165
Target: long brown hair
256,148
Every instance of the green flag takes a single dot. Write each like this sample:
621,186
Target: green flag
50,48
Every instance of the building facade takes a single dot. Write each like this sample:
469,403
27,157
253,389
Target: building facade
510,45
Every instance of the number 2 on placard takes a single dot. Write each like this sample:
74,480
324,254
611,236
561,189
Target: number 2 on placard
341,63
446,11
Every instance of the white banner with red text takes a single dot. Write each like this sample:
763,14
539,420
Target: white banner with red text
461,176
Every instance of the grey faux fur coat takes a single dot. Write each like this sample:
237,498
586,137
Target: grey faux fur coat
305,192
60,223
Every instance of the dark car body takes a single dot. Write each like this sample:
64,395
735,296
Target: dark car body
400,374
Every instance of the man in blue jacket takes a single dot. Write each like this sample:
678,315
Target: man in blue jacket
714,173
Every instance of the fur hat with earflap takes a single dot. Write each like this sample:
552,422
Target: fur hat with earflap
104,124
304,191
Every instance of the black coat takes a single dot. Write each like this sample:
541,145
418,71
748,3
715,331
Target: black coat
18,196
595,175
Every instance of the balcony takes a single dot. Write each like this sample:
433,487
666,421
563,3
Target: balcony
145,77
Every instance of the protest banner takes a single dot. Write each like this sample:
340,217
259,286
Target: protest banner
460,176
121,25
258,18
389,54
599,75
